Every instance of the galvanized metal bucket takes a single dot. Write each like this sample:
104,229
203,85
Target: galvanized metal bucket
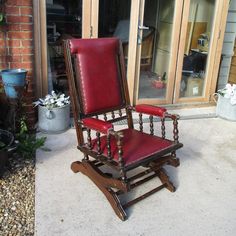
56,120
224,109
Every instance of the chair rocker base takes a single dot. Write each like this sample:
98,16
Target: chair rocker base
108,185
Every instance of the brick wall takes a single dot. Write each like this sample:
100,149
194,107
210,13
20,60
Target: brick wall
16,45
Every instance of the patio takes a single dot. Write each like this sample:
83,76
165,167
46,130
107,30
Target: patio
204,203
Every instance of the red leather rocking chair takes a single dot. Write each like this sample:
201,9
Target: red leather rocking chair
99,94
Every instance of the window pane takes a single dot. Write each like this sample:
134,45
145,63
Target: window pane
156,48
114,21
198,38
64,20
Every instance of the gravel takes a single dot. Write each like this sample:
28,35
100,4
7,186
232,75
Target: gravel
17,192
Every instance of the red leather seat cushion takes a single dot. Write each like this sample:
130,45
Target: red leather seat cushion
136,146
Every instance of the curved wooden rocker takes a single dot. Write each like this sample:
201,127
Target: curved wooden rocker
99,95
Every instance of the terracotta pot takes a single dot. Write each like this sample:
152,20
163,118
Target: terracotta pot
158,84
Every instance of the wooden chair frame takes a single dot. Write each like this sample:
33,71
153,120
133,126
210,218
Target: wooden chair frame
93,159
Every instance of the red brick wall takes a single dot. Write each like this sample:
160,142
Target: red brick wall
16,45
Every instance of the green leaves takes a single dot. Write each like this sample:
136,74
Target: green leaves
28,143
2,145
2,18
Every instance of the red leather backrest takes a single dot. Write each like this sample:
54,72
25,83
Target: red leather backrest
99,78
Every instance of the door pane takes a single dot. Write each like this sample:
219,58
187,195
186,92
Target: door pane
63,22
197,43
156,48
114,21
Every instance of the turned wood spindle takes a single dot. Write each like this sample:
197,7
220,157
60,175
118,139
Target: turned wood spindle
98,142
141,122
89,139
151,125
113,115
163,128
121,160
105,116
86,157
109,147
176,131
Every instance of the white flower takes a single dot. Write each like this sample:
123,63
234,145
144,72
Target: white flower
53,93
53,100
233,99
47,97
229,92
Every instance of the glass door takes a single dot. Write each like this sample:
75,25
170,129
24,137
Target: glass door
63,21
170,46
114,21
158,36
196,51
149,31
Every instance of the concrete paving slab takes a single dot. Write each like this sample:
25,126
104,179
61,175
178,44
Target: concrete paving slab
204,203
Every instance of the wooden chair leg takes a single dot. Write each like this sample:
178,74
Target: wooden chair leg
165,179
104,183
173,161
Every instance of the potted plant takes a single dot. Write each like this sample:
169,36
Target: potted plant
159,82
53,113
226,102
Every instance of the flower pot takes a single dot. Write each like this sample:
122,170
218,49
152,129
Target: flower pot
6,139
14,82
224,108
55,120
158,84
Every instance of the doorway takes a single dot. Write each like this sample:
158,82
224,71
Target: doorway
171,47
158,38
176,65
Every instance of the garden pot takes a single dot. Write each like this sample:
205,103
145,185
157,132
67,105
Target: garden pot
224,108
14,82
6,141
158,84
55,120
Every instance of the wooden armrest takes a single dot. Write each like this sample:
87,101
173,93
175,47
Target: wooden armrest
98,125
172,116
151,110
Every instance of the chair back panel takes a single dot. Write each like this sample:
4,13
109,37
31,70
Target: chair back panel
99,78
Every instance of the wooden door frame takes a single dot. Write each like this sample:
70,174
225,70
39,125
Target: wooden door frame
40,41
218,52
134,49
40,51
173,58
213,60
91,22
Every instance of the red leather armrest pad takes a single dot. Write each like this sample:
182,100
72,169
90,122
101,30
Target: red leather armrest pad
150,110
98,125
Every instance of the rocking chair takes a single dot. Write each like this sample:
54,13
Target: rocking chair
100,98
